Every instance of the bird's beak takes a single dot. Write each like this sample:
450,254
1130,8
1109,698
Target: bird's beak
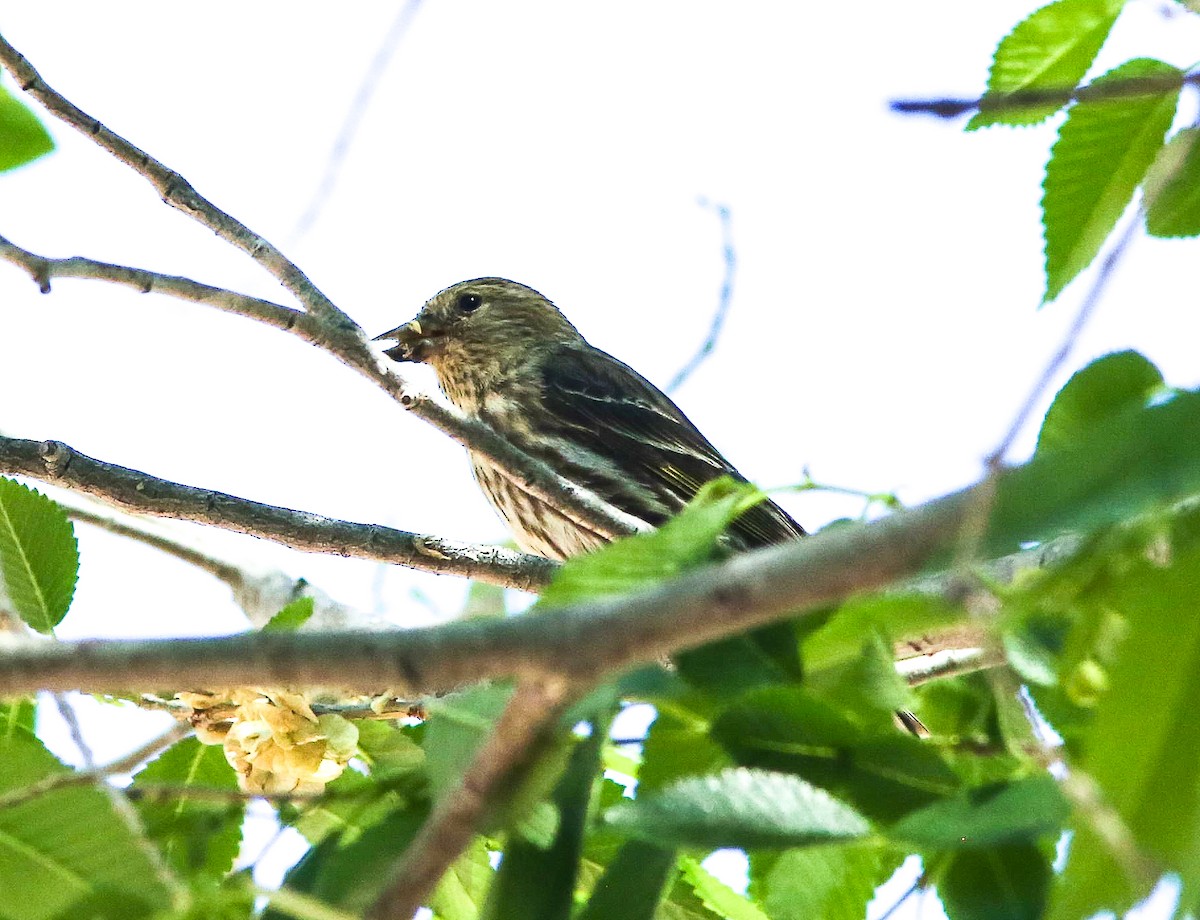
412,342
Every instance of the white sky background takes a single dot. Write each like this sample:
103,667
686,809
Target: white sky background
883,329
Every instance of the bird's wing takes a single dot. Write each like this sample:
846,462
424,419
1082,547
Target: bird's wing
610,410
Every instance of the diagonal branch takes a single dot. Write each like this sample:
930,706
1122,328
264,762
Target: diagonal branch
174,189
448,830
56,463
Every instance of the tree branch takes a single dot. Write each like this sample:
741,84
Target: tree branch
43,270
702,606
448,830
54,462
1033,98
174,189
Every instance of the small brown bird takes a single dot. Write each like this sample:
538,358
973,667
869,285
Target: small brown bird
504,354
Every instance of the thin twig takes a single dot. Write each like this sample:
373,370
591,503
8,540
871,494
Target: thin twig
58,464
14,797
1059,358
174,189
454,820
1035,98
354,115
947,663
43,270
975,523
71,718
260,593
724,299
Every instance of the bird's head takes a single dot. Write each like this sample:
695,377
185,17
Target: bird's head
485,321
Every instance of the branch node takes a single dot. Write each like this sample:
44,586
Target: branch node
57,457
426,547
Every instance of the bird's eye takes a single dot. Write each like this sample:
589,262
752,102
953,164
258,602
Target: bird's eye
469,303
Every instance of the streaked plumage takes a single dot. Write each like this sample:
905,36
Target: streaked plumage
503,353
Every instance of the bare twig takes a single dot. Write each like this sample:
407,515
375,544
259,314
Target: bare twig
173,188
14,797
947,663
43,270
260,592
1059,358
975,522
362,100
69,716
1034,98
724,299
56,463
450,827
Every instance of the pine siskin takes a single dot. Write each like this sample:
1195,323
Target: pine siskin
504,354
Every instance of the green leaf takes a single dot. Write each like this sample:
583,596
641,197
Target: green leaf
39,558
884,774
17,717
632,885
1050,49
1103,150
1109,386
1126,466
459,722
834,882
1009,882
685,541
536,883
716,895
867,686
22,137
199,836
739,807
1172,189
1141,748
292,616
390,748
351,875
677,747
65,845
899,615
462,890
1012,812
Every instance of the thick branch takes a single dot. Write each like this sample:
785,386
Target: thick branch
581,642
54,462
